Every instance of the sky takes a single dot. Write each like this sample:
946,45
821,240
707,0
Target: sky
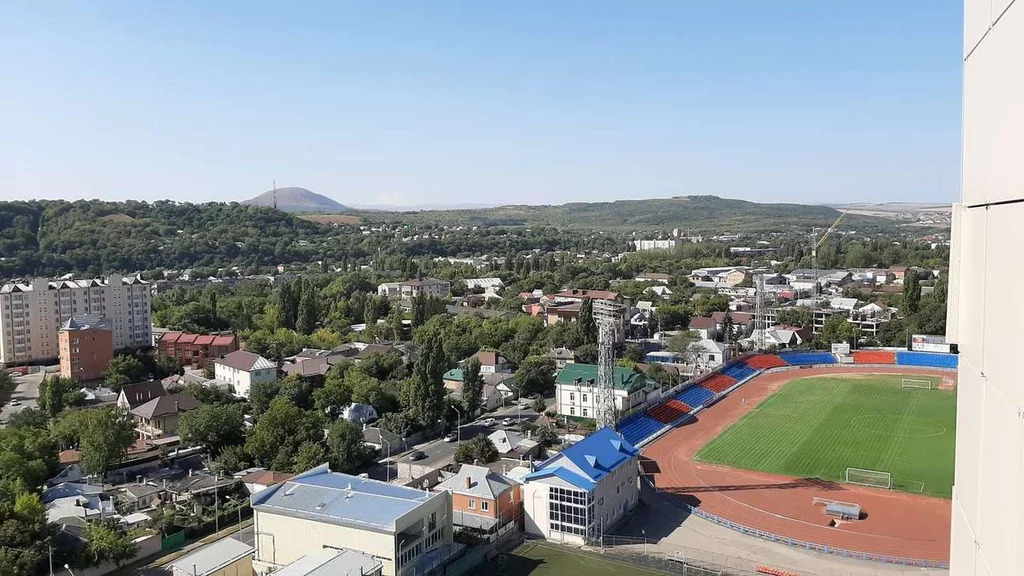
441,102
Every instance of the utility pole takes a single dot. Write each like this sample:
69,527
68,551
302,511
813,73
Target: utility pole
216,503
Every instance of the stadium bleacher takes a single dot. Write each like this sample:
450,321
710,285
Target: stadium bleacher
638,427
765,361
695,396
670,411
738,371
719,383
874,357
926,359
807,358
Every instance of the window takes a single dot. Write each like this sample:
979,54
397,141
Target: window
572,411
572,397
584,412
472,504
485,505
584,397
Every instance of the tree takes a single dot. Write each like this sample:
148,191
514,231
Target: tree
166,365
911,292
682,344
261,394
29,418
634,353
233,458
6,381
53,392
535,375
123,369
215,426
347,450
276,437
28,457
800,316
105,437
472,386
23,533
305,321
426,399
311,454
299,391
478,450
106,544
838,329
586,320
398,423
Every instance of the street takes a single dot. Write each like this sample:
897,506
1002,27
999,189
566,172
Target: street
25,394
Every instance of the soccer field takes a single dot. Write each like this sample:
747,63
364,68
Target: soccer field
819,426
547,560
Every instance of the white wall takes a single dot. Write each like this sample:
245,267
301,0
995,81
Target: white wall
241,381
571,396
987,527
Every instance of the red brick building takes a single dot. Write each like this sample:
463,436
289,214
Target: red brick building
196,349
86,346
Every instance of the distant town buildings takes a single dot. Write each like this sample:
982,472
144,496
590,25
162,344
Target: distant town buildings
32,314
195,349
86,346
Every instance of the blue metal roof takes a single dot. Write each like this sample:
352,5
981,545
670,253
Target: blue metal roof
585,463
332,497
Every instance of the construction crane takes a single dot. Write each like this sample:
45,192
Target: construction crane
817,242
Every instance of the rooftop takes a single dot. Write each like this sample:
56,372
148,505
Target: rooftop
246,361
167,404
211,559
585,463
86,323
482,483
584,293
624,378
335,498
331,563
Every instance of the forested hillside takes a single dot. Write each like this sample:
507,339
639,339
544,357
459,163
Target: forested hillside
94,237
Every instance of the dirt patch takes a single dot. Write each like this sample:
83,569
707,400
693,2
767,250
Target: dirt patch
898,524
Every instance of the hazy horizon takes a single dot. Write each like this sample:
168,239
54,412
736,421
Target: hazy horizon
453,104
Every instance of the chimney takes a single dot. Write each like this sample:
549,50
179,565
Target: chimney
469,482
175,405
165,484
189,472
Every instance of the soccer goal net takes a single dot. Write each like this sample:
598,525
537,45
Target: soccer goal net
912,383
874,478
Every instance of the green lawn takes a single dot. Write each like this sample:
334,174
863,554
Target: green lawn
547,560
817,427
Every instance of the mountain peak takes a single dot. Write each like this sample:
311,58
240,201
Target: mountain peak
297,199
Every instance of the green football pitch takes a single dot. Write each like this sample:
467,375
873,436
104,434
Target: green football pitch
817,427
547,560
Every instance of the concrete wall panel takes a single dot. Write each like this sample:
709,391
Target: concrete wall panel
972,286
999,485
1001,330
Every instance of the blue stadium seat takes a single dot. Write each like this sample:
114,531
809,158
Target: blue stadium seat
927,359
739,371
695,396
807,358
638,427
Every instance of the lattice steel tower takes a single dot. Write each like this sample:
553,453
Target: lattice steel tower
606,313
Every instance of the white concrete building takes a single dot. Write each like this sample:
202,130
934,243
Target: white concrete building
31,314
988,505
666,244
409,531
584,491
240,369
576,390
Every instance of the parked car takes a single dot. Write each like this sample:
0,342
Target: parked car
416,455
508,422
489,422
450,437
15,402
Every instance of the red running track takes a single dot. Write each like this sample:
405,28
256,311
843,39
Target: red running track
897,523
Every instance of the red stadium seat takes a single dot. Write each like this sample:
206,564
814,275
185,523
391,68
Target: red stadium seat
764,362
874,357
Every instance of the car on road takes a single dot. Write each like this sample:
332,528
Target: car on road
15,402
508,422
526,405
416,455
450,437
488,422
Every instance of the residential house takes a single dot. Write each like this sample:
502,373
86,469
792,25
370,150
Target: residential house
75,500
409,531
224,557
779,337
660,291
141,495
484,284
241,369
656,277
720,277
576,390
389,290
86,346
194,350
135,395
704,326
259,480
159,417
511,444
491,362
742,322
562,356
583,492
482,499
708,354
420,287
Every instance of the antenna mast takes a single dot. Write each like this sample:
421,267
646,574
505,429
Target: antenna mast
606,313
760,323
275,194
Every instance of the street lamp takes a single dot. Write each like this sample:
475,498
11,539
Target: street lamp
387,463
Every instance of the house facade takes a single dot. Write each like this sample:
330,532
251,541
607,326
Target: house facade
481,499
576,390
159,417
86,348
419,287
240,370
583,492
195,349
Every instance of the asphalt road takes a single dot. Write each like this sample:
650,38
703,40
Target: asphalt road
25,393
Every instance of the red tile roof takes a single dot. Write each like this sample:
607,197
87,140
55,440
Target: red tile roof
223,340
702,323
204,340
170,336
187,338
584,293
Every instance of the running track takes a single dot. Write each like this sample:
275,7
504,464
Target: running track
897,523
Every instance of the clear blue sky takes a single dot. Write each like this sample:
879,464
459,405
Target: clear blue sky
481,102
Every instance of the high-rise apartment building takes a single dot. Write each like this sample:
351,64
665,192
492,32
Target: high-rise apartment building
985,314
31,315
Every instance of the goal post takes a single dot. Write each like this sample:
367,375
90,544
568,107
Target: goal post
873,478
916,383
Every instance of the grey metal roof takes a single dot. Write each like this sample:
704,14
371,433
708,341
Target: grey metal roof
332,563
335,498
482,482
209,559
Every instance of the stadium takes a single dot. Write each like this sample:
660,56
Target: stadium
849,455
